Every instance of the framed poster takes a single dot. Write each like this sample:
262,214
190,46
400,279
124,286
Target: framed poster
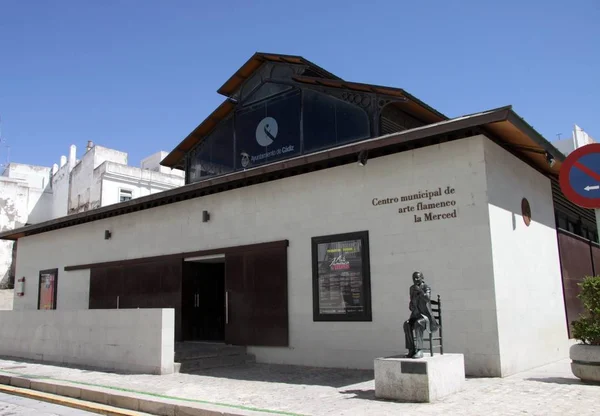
341,277
47,289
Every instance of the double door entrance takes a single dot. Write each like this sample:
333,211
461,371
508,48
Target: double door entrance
203,300
238,297
235,295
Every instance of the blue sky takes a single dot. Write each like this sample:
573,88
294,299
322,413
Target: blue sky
140,75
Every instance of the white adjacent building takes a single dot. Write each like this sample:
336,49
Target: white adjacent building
102,177
34,194
578,138
24,197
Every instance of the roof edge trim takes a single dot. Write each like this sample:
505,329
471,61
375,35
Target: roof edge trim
177,194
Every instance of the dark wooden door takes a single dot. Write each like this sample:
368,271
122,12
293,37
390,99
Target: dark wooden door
270,297
203,302
211,302
577,262
257,298
237,309
142,285
189,302
106,288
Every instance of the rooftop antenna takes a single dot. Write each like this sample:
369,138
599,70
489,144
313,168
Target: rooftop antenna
558,135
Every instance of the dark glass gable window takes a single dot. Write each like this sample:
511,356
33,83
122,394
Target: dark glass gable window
329,122
268,131
393,120
214,155
266,90
284,123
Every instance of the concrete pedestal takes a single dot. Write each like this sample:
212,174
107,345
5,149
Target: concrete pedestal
419,380
585,362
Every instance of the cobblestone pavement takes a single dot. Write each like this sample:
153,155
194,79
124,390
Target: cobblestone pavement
549,390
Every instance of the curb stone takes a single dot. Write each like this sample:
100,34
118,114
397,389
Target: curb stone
68,402
102,400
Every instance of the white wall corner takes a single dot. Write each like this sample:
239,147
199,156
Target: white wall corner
527,275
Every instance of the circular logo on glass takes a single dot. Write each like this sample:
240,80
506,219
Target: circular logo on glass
266,131
245,160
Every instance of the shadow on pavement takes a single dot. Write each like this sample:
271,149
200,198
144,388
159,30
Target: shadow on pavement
369,394
558,380
289,374
361,394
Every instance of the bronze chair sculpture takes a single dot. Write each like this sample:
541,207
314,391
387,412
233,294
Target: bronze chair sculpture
436,308
422,317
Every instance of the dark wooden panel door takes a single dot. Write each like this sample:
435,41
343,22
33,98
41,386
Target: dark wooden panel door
257,298
596,259
169,293
576,262
98,289
105,287
238,318
270,297
188,301
211,301
141,285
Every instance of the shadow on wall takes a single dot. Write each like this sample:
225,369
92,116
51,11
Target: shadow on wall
6,300
8,280
42,210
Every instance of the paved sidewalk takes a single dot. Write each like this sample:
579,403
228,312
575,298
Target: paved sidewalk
6,299
271,389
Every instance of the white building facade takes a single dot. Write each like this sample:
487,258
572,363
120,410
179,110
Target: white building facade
34,194
479,260
307,255
24,199
102,177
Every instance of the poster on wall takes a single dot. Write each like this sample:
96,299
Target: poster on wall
47,289
341,281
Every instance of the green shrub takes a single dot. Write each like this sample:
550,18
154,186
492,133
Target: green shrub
587,327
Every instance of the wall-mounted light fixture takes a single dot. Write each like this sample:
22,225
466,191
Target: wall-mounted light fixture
550,159
107,234
362,158
205,216
20,286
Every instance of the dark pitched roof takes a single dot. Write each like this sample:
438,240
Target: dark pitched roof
318,76
502,125
252,64
411,104
174,159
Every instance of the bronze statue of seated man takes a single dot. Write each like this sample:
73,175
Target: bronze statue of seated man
421,316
